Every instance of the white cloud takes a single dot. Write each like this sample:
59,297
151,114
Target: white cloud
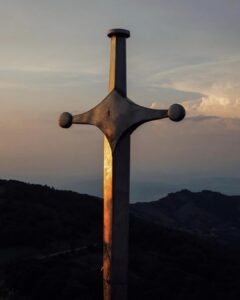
217,82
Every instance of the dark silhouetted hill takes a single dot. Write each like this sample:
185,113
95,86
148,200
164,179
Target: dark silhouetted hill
207,214
51,248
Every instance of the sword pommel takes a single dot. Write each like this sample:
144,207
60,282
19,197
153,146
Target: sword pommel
119,33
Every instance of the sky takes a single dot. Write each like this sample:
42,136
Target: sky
54,57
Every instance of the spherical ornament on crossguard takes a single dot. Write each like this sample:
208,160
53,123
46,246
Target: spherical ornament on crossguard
65,120
176,112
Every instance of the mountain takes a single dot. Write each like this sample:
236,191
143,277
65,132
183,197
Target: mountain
207,214
51,248
145,190
41,217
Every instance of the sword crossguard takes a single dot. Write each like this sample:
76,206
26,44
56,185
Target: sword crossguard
116,115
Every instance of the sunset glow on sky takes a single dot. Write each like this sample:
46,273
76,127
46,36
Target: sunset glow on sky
54,57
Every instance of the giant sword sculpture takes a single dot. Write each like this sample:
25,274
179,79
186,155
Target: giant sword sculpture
117,117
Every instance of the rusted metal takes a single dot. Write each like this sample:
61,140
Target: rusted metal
117,117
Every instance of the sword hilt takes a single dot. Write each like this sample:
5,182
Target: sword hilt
118,74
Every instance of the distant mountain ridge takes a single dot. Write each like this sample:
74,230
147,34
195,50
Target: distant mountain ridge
151,189
206,213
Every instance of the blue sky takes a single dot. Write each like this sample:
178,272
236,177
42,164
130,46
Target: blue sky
54,57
